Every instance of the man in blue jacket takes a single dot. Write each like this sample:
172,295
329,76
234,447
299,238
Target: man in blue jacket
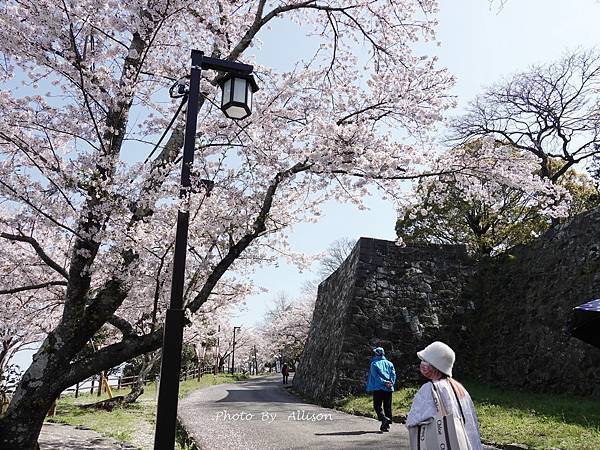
382,378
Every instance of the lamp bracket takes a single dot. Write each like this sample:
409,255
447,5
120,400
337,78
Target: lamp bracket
179,88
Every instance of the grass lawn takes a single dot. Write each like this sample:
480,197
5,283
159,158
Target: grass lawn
133,423
540,421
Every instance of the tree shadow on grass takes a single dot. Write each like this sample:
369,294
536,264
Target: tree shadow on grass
570,409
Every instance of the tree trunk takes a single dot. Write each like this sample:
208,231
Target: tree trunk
55,368
41,384
137,388
20,432
20,427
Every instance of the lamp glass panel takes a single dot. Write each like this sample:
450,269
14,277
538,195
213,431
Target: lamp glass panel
249,95
236,112
239,90
226,92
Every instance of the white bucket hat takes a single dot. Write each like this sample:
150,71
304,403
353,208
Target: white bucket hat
438,355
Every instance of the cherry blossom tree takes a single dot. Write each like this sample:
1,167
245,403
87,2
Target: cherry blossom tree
249,349
89,150
210,329
254,352
287,323
31,303
494,200
286,327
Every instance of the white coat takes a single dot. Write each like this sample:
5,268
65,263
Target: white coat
423,409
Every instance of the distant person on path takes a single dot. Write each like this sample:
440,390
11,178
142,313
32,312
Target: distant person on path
437,360
285,371
382,378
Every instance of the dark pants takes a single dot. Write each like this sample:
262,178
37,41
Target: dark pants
384,397
285,378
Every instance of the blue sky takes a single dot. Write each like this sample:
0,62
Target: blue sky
480,45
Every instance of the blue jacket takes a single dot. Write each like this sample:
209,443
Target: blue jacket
381,371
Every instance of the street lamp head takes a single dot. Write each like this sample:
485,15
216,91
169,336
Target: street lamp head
236,101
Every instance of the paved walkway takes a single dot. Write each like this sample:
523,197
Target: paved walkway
257,414
262,414
56,436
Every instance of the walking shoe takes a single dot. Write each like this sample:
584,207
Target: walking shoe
385,425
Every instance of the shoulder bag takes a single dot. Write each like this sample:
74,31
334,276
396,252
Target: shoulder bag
446,431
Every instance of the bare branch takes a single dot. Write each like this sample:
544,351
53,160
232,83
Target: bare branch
548,111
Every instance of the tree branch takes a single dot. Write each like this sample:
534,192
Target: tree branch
38,209
38,249
32,287
235,250
122,325
107,357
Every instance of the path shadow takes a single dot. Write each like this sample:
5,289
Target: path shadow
348,433
249,396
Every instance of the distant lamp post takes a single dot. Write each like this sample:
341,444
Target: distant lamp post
236,98
233,350
236,104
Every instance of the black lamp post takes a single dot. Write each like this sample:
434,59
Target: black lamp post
238,87
233,350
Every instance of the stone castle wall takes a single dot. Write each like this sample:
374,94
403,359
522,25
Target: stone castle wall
382,295
505,316
317,375
524,298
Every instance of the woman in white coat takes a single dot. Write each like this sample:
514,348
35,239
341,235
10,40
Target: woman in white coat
437,360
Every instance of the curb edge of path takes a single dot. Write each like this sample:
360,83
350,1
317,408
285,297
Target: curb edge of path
184,435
